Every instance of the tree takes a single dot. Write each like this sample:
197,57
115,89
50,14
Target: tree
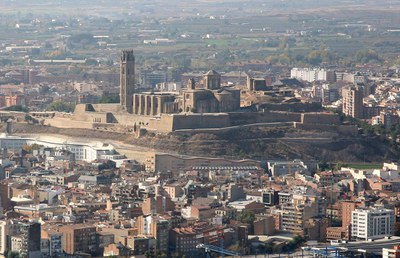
269,248
61,106
18,108
247,217
366,56
108,165
11,254
82,40
28,118
109,98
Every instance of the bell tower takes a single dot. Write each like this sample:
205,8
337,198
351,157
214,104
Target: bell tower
212,80
127,80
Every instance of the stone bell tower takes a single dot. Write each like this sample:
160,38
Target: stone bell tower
127,80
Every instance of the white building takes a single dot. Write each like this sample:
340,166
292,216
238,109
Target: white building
312,74
391,253
372,223
83,151
281,168
3,237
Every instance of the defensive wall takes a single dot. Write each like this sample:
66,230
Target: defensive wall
235,127
110,117
263,117
193,121
320,118
292,107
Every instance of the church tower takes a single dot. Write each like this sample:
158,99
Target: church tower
127,80
212,80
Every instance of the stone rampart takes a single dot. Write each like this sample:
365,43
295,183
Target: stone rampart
320,118
291,107
263,117
193,121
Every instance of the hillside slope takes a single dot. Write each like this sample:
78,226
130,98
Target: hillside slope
256,142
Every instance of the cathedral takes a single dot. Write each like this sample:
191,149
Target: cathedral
205,105
211,98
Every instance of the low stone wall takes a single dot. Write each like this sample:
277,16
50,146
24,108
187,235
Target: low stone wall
320,118
263,117
292,107
235,127
112,107
67,123
194,121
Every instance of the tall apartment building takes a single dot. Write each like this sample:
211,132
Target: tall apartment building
372,223
312,75
52,241
157,227
158,204
8,228
353,101
296,212
79,238
27,242
3,237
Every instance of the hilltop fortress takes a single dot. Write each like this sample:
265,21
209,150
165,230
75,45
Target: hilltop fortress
211,106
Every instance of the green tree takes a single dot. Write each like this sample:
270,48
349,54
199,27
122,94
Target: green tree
109,98
28,118
11,254
17,108
61,106
367,55
269,248
108,165
247,217
82,40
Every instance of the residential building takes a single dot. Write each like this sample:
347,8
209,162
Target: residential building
372,223
391,253
312,75
79,238
27,242
157,227
51,242
353,102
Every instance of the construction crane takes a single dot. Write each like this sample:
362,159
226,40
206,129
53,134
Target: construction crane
212,248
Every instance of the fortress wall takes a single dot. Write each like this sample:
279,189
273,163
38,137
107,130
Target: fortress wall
80,108
99,117
320,118
130,120
200,121
67,123
163,124
263,117
236,127
112,107
292,107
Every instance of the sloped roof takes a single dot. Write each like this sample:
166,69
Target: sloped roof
211,72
